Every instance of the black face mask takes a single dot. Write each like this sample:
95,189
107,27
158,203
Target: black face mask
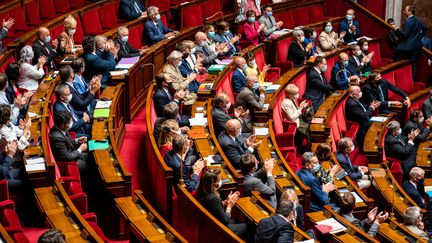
185,55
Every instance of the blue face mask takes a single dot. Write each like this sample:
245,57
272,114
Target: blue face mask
316,168
314,35
345,63
324,68
251,19
125,39
328,29
158,17
211,34
48,39
255,86
349,17
269,14
226,32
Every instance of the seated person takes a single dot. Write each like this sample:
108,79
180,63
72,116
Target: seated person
317,86
154,29
79,83
3,31
298,51
358,112
80,120
364,47
260,180
400,147
16,103
179,83
250,101
162,96
224,35
66,42
277,228
63,147
12,73
29,74
427,106
342,73
252,67
413,221
350,27
359,63
97,64
210,199
122,41
329,39
323,152
190,63
324,176
9,132
209,31
52,235
416,122
376,89
239,75
319,192
10,170
269,21
169,128
235,144
298,219
220,115
209,48
253,31
311,37
175,159
42,47
355,173
170,112
370,225
414,187
131,9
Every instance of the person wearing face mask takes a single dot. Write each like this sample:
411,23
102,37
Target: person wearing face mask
224,35
244,6
311,37
9,132
122,41
42,47
298,51
319,192
413,221
66,42
253,69
358,112
220,115
252,29
154,29
210,50
329,39
343,73
63,146
403,148
260,180
251,98
79,83
324,176
239,76
191,63
414,187
171,112
317,86
361,64
290,195
269,21
350,26
163,96
210,199
416,122
377,89
355,173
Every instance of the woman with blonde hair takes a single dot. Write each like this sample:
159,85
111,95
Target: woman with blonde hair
66,41
290,195
168,129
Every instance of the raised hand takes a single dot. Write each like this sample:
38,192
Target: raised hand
83,147
372,214
381,217
268,166
11,148
8,24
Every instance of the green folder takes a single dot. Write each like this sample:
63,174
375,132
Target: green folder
98,144
101,113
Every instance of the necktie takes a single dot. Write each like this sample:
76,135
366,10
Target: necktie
271,22
240,145
75,118
345,75
48,54
137,9
364,109
401,141
381,93
349,162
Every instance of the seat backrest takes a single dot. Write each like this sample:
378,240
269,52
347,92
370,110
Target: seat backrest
135,37
5,64
335,134
226,85
20,24
287,19
62,7
108,17
191,20
32,13
47,9
210,8
390,77
300,16
282,49
375,47
259,58
74,4
315,13
161,4
91,23
403,78
79,33
4,190
56,31
300,82
277,114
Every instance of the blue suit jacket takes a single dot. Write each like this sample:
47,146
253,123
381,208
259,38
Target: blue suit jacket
153,34
318,197
219,38
344,26
80,102
59,107
416,194
410,37
233,150
127,10
352,170
96,65
173,161
160,100
81,88
339,81
238,80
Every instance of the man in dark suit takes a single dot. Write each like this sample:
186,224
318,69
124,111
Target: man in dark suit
359,63
171,111
210,50
277,228
416,122
234,144
221,106
239,76
63,147
350,26
414,187
269,21
250,101
162,95
400,147
41,47
377,90
126,50
9,171
356,111
427,106
80,119
319,193
343,73
154,30
356,173
175,159
317,86
131,9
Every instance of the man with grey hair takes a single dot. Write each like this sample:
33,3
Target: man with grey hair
122,42
397,146
413,221
211,50
414,187
154,29
320,193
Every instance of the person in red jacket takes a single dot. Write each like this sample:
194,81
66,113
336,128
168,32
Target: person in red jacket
252,29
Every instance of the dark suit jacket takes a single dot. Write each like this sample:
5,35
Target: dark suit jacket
416,194
6,167
316,89
371,230
427,108
410,37
59,107
213,204
371,92
96,65
219,117
63,146
405,152
185,68
127,11
80,101
340,81
249,100
153,34
359,69
355,112
352,170
233,150
319,198
274,229
3,33
259,181
173,161
126,50
296,54
411,125
219,38
238,80
40,50
349,37
160,100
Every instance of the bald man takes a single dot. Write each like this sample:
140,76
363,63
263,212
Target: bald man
343,73
211,50
239,75
220,115
235,144
42,47
358,112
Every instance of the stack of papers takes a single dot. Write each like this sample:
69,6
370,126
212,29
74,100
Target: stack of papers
98,144
198,121
378,119
127,62
35,164
103,104
272,88
118,73
356,196
334,224
225,61
101,113
261,131
215,69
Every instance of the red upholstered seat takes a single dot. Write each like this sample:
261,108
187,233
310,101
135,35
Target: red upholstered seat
330,63
291,157
377,60
74,4
4,190
61,6
315,13
357,158
273,73
404,81
79,33
135,37
32,13
56,31
108,17
46,9
282,54
161,4
10,218
20,25
287,19
300,17
226,86
5,64
286,138
20,237
211,9
191,20
91,23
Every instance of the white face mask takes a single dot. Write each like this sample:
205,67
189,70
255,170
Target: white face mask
219,185
360,95
359,52
296,96
352,148
69,126
421,120
365,48
228,105
68,98
399,131
193,50
72,31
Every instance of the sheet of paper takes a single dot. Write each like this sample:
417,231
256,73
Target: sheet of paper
305,241
317,120
198,121
336,226
103,104
118,73
96,145
378,119
266,106
199,115
261,131
356,196
101,113
35,160
199,109
127,62
35,167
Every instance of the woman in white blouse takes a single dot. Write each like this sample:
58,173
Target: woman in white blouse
292,110
29,74
328,38
9,132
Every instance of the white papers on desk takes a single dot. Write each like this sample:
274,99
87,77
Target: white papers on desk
199,115
209,159
35,164
282,31
356,196
367,38
100,104
305,241
35,160
336,226
272,88
118,73
198,121
127,62
378,119
261,131
265,106
200,109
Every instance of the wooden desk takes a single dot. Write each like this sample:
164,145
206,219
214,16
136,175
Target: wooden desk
374,140
393,231
423,158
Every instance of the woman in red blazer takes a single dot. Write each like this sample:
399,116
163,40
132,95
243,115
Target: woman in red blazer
252,30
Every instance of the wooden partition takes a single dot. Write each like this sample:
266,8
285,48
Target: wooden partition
4,236
393,231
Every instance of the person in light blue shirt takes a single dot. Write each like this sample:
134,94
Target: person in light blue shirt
79,83
310,36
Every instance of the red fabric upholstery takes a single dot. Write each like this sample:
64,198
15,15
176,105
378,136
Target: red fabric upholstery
357,158
191,20
286,139
18,15
80,202
135,37
290,157
3,67
98,230
300,17
210,8
62,7
56,31
46,9
404,81
74,4
377,60
315,13
330,63
4,190
396,169
91,23
282,54
11,218
79,33
90,217
287,19
108,17
20,237
32,13
226,86
161,4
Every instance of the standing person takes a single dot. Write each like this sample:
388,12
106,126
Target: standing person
3,31
277,228
269,21
42,47
252,29
29,74
350,26
66,41
317,86
247,5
